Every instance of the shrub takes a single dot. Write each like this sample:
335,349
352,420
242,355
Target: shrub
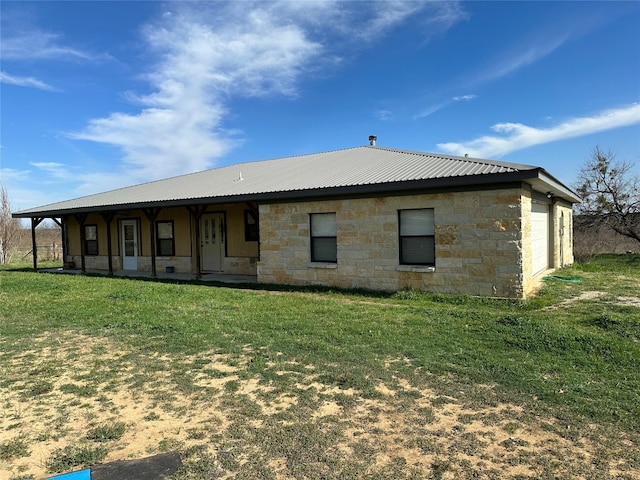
106,433
65,459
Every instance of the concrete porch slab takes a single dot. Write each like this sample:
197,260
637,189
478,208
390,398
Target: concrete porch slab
207,277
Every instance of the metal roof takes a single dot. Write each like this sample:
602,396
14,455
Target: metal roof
357,170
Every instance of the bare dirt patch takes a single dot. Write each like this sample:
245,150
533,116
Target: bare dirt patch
584,296
54,393
628,301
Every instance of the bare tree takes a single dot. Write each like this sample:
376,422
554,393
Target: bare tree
10,229
610,194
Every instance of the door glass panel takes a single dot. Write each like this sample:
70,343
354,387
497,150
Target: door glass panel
129,240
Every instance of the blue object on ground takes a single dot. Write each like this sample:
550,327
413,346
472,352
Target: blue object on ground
81,475
158,467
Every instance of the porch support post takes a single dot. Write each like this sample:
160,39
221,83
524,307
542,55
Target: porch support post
108,218
81,218
152,214
60,223
197,212
35,221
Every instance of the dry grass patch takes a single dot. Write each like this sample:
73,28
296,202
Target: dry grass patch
73,396
335,385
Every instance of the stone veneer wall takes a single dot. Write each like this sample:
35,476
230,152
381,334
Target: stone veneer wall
478,244
179,264
240,265
100,262
232,265
94,262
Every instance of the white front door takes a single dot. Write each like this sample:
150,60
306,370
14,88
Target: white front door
212,242
129,245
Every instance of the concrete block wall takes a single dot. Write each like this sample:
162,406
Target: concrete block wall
477,235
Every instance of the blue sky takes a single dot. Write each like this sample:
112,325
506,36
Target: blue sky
98,95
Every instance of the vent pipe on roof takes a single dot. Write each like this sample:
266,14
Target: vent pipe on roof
372,140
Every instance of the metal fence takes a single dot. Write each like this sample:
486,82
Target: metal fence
45,252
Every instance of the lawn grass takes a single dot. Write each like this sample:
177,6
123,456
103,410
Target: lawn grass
568,359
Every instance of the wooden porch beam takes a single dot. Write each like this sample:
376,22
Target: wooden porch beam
196,212
35,221
108,218
82,218
65,243
152,214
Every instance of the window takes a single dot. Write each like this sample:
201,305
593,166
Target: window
324,245
251,229
91,240
165,244
417,237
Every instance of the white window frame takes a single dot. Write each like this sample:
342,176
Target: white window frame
91,247
323,231
420,232
165,234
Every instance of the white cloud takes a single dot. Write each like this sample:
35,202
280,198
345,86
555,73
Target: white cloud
439,106
364,22
201,64
54,169
35,44
517,136
211,52
519,57
381,17
384,115
12,174
523,54
430,110
464,98
24,81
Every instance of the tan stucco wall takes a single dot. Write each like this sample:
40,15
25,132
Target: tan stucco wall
240,256
236,244
478,244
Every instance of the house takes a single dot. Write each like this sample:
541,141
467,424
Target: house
364,217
